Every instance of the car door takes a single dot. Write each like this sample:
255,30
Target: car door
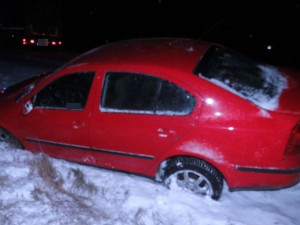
58,122
137,118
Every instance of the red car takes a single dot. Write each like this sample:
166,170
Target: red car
187,113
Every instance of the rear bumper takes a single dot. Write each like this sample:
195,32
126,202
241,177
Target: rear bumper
255,178
269,170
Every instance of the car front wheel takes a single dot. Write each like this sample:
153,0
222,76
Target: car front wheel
193,175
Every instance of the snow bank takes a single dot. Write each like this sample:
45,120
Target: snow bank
35,189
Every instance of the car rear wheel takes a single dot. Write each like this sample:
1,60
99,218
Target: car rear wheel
7,137
193,175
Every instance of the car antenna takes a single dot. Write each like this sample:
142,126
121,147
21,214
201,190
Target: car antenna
207,31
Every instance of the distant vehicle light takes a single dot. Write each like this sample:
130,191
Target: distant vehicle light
24,41
32,41
53,43
59,43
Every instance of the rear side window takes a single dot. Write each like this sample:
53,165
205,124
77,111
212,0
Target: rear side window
174,99
138,93
68,92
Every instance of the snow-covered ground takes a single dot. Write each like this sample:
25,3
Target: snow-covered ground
37,190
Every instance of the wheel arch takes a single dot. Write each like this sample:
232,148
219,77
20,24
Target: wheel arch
163,163
5,132
187,170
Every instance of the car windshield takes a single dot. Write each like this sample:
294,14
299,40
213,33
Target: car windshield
258,83
24,87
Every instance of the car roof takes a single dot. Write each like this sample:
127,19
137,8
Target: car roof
175,53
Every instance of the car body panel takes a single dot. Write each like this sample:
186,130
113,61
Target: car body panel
40,127
289,99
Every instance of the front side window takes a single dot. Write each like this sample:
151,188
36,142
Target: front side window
138,93
68,92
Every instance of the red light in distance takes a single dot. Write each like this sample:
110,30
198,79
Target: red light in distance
24,41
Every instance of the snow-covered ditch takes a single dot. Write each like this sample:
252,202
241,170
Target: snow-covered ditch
35,189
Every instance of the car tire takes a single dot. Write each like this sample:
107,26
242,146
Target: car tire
7,137
194,175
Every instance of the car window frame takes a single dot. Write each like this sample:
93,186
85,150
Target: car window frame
155,111
67,73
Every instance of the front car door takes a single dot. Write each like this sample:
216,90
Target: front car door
58,123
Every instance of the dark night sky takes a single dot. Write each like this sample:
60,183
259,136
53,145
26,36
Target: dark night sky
247,26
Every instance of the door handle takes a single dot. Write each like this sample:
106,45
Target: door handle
77,125
164,133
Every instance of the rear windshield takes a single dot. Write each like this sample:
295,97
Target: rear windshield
258,83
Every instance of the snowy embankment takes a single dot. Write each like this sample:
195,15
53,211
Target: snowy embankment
35,189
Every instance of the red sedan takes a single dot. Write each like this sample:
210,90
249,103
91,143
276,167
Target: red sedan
188,113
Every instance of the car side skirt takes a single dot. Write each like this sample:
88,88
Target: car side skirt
85,148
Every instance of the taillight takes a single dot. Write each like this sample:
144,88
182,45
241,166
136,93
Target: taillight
24,41
293,146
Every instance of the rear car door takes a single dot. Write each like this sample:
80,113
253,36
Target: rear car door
137,118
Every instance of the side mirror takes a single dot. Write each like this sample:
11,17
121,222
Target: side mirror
27,107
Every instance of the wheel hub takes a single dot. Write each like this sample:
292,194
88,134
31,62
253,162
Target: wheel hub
192,181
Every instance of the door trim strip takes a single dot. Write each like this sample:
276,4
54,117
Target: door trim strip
85,148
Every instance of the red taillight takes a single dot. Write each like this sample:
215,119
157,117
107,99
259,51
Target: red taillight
53,43
59,43
32,41
293,146
24,41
